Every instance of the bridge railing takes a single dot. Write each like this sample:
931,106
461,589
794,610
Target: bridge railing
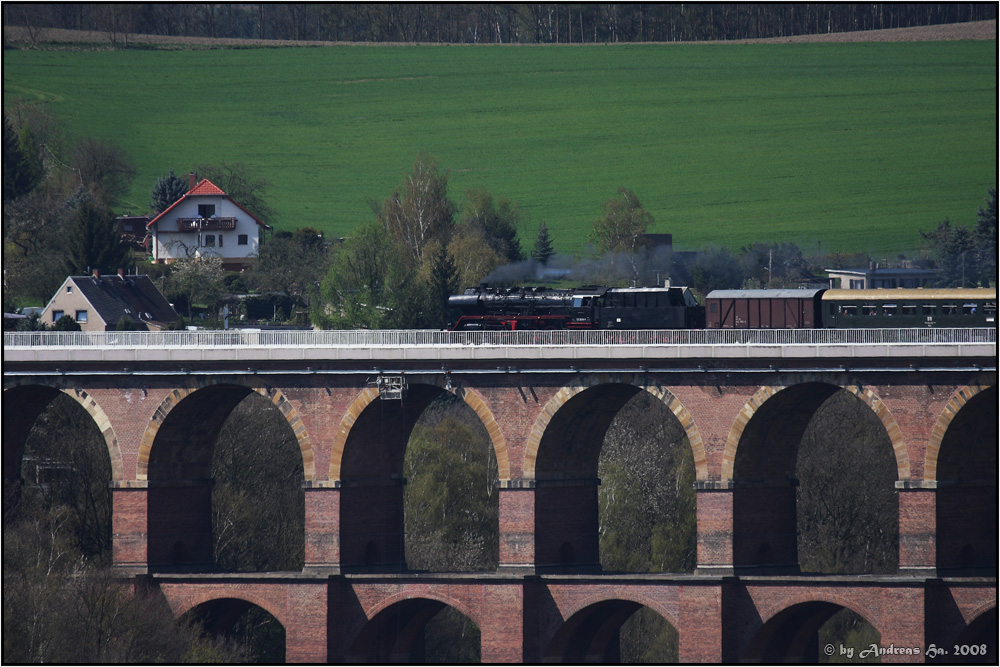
427,337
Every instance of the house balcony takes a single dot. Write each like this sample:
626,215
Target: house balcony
205,224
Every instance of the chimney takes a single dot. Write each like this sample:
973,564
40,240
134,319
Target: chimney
192,177
97,273
121,273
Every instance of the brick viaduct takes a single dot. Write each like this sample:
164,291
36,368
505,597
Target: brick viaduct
546,408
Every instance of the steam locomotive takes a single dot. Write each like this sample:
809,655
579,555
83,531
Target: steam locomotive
595,307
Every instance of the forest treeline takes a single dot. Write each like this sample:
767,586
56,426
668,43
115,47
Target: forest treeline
487,23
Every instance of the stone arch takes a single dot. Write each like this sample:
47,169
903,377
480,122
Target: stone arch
470,397
395,626
624,595
590,630
786,634
958,400
660,392
274,395
93,408
961,464
429,594
864,394
203,597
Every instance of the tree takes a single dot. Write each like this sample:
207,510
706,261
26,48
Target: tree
472,257
847,505
954,253
165,192
451,508
443,283
772,265
245,187
23,167
258,505
543,246
291,263
104,169
196,279
419,211
714,267
498,221
34,245
986,239
623,226
95,243
355,290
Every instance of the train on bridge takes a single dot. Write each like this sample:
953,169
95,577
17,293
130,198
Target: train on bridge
597,307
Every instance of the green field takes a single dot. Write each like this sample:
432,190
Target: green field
843,147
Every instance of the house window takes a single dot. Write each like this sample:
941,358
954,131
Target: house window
69,289
81,316
210,240
206,210
242,239
220,240
56,314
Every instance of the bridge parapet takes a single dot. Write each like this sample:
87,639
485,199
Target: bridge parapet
493,347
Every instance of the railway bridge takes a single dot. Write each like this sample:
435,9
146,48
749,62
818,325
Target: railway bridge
743,399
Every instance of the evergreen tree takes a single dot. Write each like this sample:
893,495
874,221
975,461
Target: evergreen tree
95,243
25,163
543,246
165,192
986,240
66,323
443,283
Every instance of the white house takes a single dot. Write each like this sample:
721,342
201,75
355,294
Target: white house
206,222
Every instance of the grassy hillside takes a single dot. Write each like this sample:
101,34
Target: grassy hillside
852,146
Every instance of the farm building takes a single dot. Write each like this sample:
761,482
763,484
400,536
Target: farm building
875,277
206,222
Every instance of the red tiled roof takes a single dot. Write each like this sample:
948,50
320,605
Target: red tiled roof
205,187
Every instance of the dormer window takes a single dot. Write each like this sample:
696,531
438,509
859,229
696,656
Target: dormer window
206,210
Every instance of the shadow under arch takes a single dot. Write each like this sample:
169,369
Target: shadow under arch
962,463
468,396
396,631
213,413
22,405
264,634
637,383
592,633
792,634
808,403
367,464
561,462
760,460
979,634
175,460
982,398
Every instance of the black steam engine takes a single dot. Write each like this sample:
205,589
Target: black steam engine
591,307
